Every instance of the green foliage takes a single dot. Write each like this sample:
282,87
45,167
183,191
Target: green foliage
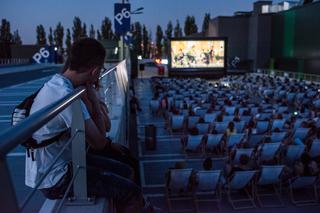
16,39
159,37
146,42
177,30
41,35
137,37
205,24
84,30
92,32
50,37
77,29
190,26
106,29
58,36
68,41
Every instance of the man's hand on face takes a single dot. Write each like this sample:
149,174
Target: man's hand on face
92,94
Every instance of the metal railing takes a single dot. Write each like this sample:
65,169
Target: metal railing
289,74
15,135
14,61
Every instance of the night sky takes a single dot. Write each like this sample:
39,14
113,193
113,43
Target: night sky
25,15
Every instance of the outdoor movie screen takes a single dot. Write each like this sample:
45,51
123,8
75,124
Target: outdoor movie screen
202,54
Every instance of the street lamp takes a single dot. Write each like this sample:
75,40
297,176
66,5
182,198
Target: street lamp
137,11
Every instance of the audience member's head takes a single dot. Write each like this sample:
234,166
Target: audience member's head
244,159
207,164
194,131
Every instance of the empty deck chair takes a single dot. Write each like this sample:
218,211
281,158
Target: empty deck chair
315,149
192,121
194,144
210,117
203,128
262,127
268,151
277,137
213,142
201,112
239,152
270,176
154,106
240,181
228,118
178,187
177,122
254,140
221,127
278,124
234,139
230,110
303,182
246,118
208,188
293,153
301,133
239,126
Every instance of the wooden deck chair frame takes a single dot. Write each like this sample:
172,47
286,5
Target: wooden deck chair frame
250,198
312,185
213,175
275,183
188,195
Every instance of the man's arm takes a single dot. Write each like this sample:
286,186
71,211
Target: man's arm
94,137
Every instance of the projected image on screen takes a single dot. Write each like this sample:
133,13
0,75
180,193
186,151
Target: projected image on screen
197,54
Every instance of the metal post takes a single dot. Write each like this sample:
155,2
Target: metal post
8,201
79,157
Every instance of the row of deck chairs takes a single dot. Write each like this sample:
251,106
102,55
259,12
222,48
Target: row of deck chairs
210,184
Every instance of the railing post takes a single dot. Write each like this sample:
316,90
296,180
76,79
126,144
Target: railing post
8,200
79,156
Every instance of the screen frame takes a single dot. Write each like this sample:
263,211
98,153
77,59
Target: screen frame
211,71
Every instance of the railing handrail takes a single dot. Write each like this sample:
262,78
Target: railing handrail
15,135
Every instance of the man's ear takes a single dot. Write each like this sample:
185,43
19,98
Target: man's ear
94,71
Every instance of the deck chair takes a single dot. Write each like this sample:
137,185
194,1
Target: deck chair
239,126
201,112
239,152
268,151
193,144
177,122
270,176
298,123
246,118
277,137
221,127
154,106
210,117
178,188
293,153
282,109
278,124
262,127
239,181
192,121
234,139
203,128
315,149
208,188
228,118
213,142
303,182
255,140
230,110
301,133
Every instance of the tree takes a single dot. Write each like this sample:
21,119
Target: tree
84,30
168,33
92,32
106,29
50,37
137,38
159,37
205,24
58,36
76,29
177,30
16,39
68,41
5,39
41,35
190,26
146,42
99,37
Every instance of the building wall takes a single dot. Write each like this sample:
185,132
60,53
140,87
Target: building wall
296,39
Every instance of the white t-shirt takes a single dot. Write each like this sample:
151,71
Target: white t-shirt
56,88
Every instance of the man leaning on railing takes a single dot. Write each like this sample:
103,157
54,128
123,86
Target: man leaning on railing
106,177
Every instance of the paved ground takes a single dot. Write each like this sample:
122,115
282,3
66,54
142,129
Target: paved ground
154,164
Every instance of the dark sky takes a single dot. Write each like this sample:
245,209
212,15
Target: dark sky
25,15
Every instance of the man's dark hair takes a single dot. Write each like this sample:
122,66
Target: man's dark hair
85,54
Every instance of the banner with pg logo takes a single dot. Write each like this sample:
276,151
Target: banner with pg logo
122,18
